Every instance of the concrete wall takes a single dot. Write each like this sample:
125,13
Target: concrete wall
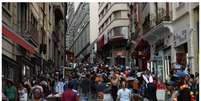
93,14
114,7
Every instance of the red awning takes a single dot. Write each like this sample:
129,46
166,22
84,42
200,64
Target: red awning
100,42
14,37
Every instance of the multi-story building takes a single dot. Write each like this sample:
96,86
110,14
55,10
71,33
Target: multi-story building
185,25
162,36
82,30
27,40
113,33
69,32
58,35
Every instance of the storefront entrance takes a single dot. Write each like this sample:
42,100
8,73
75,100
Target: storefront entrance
120,60
181,55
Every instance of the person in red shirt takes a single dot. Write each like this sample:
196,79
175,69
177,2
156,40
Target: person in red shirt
70,94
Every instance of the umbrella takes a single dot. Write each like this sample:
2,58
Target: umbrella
181,74
131,79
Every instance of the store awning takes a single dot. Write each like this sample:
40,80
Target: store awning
17,39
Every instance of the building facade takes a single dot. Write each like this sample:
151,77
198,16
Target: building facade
82,31
162,36
113,33
27,41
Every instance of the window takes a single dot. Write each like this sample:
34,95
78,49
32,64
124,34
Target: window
144,5
120,31
124,31
50,14
101,15
117,31
109,4
106,8
6,6
109,19
22,16
106,22
50,48
33,22
179,4
117,14
132,24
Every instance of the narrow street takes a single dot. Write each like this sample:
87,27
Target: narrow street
100,51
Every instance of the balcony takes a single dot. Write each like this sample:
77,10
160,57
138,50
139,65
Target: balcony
162,16
153,19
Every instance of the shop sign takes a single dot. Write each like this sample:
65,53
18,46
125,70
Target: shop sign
181,37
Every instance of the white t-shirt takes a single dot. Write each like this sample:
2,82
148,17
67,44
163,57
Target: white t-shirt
59,87
23,96
124,94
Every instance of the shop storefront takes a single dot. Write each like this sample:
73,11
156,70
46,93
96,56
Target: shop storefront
141,55
119,57
160,39
16,60
9,68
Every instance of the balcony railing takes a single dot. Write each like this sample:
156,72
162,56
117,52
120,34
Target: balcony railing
162,16
152,20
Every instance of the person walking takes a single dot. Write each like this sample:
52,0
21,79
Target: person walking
74,82
11,91
114,82
150,89
107,93
37,92
85,85
70,94
100,88
124,94
22,93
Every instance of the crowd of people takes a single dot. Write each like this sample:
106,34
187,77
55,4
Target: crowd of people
102,83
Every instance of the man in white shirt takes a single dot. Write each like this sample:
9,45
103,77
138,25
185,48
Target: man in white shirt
59,87
150,89
124,94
